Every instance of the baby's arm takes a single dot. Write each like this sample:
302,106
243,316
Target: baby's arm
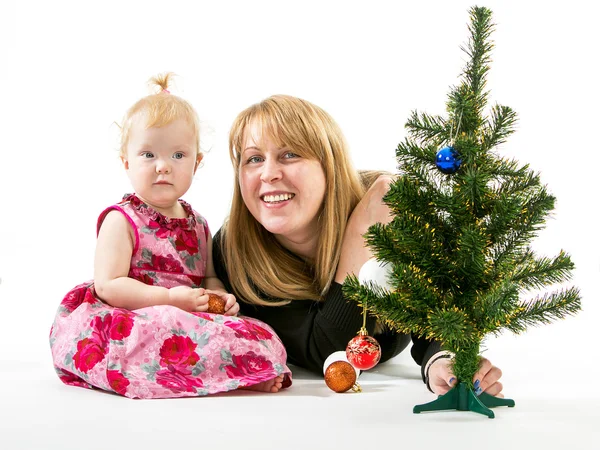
112,284
213,284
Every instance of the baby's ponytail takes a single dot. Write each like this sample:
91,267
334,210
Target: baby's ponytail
161,82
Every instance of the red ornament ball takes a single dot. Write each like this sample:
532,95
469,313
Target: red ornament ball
363,352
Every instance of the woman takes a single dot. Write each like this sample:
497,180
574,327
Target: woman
294,233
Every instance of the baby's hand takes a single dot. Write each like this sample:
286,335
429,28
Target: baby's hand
189,299
231,305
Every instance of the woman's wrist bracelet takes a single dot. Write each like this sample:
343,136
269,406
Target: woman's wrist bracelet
434,358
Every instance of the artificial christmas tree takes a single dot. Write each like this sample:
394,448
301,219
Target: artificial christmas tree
457,250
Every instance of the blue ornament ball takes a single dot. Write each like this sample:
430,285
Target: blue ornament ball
447,160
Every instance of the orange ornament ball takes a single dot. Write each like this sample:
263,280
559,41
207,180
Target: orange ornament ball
216,305
340,376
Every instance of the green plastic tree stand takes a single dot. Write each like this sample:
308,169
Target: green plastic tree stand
463,399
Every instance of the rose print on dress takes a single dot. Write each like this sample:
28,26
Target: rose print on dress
71,379
74,298
162,230
248,330
178,379
101,329
178,351
117,381
122,323
90,297
246,367
91,350
152,261
148,278
186,241
89,353
206,316
196,280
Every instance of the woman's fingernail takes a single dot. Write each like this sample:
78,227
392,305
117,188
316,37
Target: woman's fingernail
477,391
451,380
476,385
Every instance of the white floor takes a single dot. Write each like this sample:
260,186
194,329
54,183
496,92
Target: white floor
556,407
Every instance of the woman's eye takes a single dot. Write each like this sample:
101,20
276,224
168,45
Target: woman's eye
178,155
254,160
290,155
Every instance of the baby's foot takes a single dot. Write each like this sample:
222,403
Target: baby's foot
272,385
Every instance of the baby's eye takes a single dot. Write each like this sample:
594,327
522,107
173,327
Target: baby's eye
148,155
178,155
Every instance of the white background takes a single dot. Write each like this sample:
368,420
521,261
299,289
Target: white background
70,69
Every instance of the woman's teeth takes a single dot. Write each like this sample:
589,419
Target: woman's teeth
277,198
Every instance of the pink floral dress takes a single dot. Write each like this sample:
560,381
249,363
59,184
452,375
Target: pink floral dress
161,351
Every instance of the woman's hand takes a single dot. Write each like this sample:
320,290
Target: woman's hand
369,211
441,378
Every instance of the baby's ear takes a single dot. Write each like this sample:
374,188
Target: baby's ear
125,162
199,159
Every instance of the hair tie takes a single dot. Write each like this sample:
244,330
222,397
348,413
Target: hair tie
165,91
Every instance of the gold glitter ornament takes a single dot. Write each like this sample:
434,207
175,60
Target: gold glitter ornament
340,376
216,304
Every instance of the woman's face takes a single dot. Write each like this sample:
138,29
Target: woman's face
282,190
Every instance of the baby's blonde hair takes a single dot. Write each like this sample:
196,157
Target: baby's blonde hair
160,109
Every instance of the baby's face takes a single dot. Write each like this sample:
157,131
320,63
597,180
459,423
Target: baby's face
161,161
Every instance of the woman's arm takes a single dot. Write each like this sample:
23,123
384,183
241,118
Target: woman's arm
369,211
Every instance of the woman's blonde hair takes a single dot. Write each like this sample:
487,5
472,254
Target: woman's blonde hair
160,109
256,263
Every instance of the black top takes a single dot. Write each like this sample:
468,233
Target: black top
311,331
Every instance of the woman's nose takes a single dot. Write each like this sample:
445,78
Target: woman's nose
271,171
